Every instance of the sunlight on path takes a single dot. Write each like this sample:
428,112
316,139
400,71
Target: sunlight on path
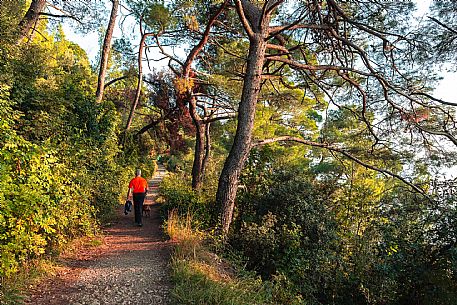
133,268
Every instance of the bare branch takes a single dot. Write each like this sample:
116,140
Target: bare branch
277,47
443,25
155,122
299,65
434,98
116,80
269,6
162,50
60,16
274,30
439,133
364,106
219,118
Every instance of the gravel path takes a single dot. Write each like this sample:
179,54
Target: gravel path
131,267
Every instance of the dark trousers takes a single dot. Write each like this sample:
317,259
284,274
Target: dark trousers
138,199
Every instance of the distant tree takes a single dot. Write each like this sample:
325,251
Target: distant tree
180,22
152,19
202,127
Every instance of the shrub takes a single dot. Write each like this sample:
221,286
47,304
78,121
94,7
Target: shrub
349,246
179,196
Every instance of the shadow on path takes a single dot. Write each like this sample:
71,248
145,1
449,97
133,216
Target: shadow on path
131,267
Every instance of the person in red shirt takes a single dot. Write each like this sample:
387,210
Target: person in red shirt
139,187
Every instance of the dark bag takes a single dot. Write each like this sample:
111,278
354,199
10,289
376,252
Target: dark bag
127,207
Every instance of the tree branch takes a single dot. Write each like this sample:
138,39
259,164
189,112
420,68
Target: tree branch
434,98
343,152
439,133
116,80
244,20
196,49
155,122
443,25
277,47
219,118
274,30
299,65
162,50
60,16
271,7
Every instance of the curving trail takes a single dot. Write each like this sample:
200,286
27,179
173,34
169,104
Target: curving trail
131,267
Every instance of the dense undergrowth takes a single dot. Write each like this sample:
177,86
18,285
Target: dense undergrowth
301,245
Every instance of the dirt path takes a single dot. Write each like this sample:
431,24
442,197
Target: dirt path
131,267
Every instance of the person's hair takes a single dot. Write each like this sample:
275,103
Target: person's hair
138,172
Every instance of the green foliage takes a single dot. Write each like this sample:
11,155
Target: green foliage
41,207
10,12
172,163
62,171
321,240
439,35
179,196
157,16
292,236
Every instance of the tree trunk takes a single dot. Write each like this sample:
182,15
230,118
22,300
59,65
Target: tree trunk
139,83
207,148
199,145
30,18
228,181
197,170
105,51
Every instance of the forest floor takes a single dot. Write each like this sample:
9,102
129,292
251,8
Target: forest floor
131,266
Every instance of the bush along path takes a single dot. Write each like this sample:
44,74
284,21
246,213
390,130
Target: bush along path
131,267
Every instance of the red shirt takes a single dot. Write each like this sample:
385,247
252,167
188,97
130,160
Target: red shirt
139,184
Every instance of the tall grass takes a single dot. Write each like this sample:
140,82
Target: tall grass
201,277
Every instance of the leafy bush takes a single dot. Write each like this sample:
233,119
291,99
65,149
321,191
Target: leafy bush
293,237
179,196
41,207
321,244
